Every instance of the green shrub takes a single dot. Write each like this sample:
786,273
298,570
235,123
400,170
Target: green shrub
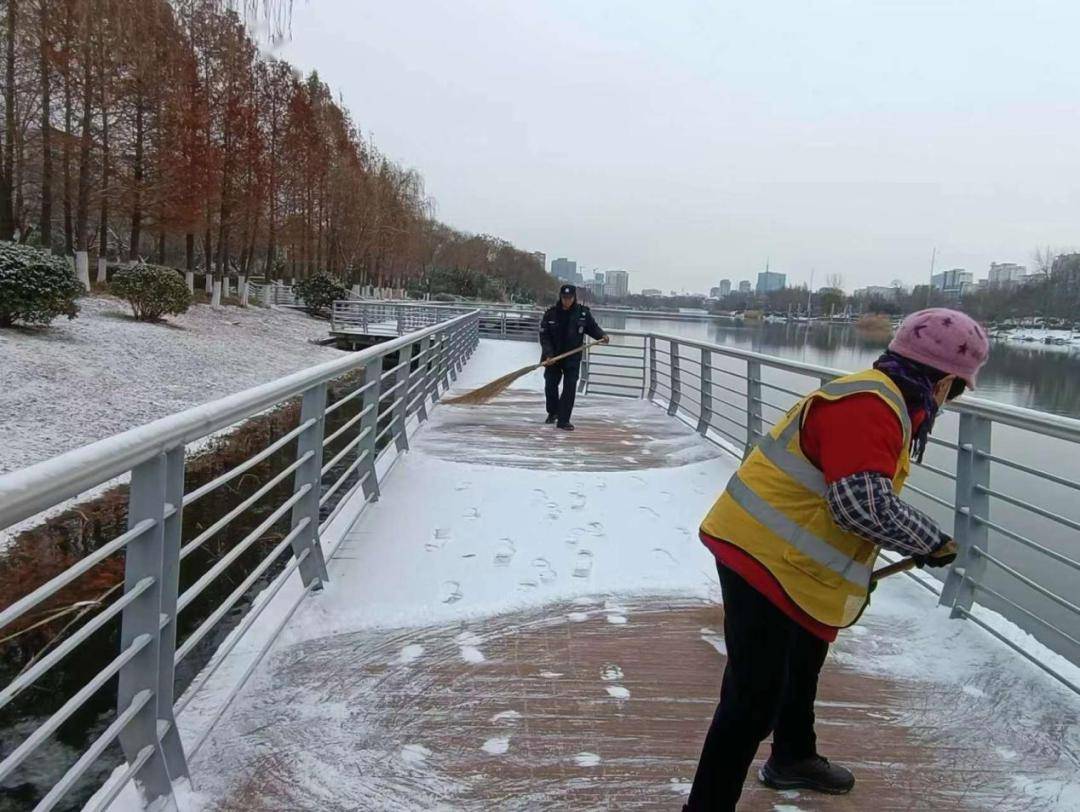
36,286
319,292
152,291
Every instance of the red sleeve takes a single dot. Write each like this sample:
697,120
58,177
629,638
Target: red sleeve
855,434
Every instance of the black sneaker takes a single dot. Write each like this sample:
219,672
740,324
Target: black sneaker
809,773
565,426
551,418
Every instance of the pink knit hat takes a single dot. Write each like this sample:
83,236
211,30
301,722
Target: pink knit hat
947,340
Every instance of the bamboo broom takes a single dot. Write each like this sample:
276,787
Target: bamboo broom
487,392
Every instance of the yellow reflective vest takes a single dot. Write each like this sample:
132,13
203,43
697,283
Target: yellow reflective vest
775,509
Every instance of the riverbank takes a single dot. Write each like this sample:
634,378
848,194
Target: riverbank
79,381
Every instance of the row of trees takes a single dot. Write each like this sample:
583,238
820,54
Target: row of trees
155,129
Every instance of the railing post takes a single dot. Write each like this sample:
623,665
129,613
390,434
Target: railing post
676,379
175,759
971,536
583,378
423,369
142,619
313,407
753,406
370,423
705,418
652,367
402,378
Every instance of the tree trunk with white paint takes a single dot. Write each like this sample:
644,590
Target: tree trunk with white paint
82,268
215,299
189,278
102,270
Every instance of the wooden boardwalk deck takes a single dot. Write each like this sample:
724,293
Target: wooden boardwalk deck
525,621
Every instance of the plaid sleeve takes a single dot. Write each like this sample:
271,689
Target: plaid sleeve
865,504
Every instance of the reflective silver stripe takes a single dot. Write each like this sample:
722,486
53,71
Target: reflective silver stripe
795,466
840,388
798,537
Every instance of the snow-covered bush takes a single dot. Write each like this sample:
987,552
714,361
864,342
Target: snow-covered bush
36,286
319,292
152,291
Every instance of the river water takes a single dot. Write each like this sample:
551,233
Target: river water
1032,376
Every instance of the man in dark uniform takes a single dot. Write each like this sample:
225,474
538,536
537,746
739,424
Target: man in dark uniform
563,328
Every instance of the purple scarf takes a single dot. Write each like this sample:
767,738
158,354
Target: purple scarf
918,391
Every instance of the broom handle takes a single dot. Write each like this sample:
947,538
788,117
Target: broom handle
582,348
900,566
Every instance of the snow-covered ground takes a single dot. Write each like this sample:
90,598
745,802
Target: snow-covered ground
79,381
451,541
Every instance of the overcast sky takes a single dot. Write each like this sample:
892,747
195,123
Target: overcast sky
689,141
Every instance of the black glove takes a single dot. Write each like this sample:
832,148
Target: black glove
943,556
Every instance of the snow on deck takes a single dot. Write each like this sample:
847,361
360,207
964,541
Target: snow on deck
526,620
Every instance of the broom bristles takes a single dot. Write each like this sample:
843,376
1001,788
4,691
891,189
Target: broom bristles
489,391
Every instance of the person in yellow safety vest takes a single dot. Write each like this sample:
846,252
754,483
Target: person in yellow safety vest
795,535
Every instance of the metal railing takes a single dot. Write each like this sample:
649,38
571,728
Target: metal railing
330,457
396,318
1021,560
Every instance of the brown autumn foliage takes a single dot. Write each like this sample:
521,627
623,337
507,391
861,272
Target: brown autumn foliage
155,129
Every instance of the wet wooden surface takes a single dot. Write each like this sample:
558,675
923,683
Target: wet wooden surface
592,704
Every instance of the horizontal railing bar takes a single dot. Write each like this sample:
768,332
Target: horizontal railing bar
739,407
935,470
238,634
601,374
58,582
394,369
785,390
936,499
200,539
389,427
211,621
616,366
614,385
341,504
723,416
739,376
337,404
345,449
30,676
717,385
943,443
1042,590
49,726
1020,503
1024,610
26,492
192,592
781,409
393,405
248,464
1018,649
1025,541
348,425
1068,483
94,752
345,475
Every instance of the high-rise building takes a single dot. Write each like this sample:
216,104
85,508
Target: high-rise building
598,276
619,282
956,282
1004,274
565,269
652,292
725,287
768,281
714,293
745,286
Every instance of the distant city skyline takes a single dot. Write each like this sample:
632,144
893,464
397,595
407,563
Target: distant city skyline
689,158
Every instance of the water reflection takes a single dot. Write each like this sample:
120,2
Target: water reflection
1023,375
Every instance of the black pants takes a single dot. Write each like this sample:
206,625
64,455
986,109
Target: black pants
770,683
561,405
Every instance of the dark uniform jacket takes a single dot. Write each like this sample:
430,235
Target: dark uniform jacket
562,332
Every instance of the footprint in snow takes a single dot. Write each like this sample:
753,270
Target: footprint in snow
527,585
539,496
504,552
544,570
583,564
611,673
684,530
649,511
451,592
595,528
464,485
577,501
471,513
662,556
468,555
439,539
553,510
618,692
